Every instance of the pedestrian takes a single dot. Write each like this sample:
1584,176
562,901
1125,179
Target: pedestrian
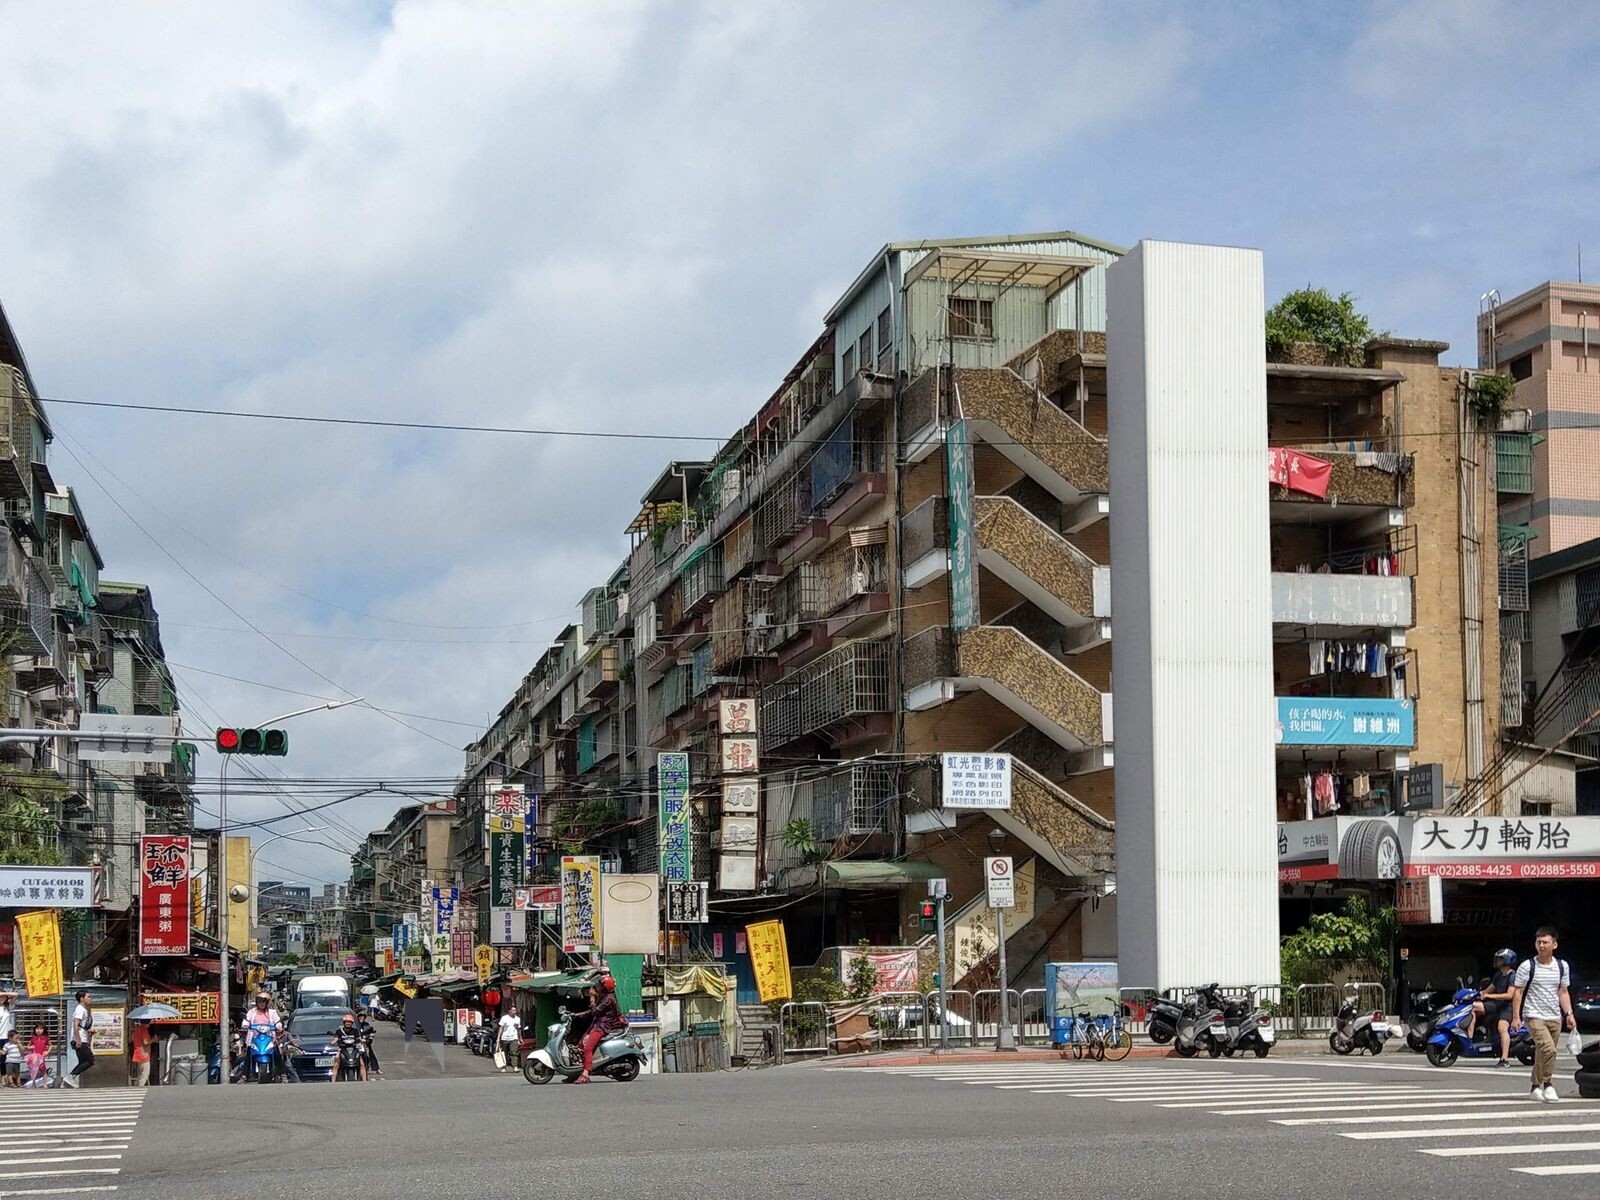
1540,997
14,1063
81,1035
8,1020
38,1058
510,1035
140,1054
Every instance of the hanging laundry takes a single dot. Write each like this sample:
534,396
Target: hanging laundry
1319,657
1360,786
1322,793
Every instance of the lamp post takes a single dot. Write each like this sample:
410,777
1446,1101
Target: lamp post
224,897
1005,1040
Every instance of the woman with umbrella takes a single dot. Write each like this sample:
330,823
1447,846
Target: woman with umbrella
140,1042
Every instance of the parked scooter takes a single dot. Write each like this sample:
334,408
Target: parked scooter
1249,1028
620,1055
1353,1031
1449,1039
1203,1026
1164,1018
1426,1005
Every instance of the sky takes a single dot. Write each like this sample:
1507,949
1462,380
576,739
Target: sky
632,217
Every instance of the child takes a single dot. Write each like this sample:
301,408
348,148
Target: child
38,1060
13,1063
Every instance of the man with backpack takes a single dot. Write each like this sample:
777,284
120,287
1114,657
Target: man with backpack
1540,997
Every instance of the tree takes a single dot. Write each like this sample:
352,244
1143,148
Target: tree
863,977
1356,939
27,827
1313,315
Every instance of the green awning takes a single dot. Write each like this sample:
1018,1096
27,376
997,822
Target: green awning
459,987
880,874
553,981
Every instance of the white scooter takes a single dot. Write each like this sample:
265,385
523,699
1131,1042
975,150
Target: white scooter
620,1055
1368,1031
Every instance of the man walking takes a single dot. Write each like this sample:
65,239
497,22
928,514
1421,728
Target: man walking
1540,997
510,1035
81,1034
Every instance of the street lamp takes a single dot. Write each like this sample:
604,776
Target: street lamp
225,895
1004,1040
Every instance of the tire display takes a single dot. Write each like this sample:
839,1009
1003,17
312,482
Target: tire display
1371,850
1589,1060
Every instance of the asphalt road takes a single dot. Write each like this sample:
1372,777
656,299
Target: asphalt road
1292,1127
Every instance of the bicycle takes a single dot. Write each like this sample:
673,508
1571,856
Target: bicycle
1102,1038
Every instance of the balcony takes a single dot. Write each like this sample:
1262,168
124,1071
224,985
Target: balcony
796,602
741,624
702,578
48,669
1513,462
1016,671
600,674
741,548
16,436
34,613
834,696
1015,419
1338,604
1358,480
1027,554
856,800
666,696
853,579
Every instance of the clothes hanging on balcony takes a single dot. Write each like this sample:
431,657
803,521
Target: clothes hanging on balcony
1325,793
1319,657
1360,786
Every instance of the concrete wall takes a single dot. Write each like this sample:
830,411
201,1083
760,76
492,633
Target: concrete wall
1193,668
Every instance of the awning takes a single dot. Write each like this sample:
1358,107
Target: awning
554,981
880,874
459,987
1001,268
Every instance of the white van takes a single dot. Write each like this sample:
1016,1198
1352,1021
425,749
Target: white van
322,991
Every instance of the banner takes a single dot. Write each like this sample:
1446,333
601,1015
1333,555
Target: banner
194,1008
1299,472
1338,721
672,793
580,903
963,526
769,960
40,933
896,969
46,887
164,864
630,914
530,832
507,853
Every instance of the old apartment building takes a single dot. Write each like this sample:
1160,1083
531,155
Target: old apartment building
905,552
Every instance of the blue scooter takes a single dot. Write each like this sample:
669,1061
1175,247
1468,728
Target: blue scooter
1449,1040
263,1048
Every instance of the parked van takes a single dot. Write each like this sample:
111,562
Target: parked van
323,991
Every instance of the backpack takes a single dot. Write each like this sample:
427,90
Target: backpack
1563,977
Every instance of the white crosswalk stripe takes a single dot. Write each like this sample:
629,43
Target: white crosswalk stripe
1443,1121
65,1142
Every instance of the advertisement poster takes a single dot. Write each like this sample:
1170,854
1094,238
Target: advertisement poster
163,895
1334,721
194,1008
580,903
672,791
1416,847
897,969
106,1036
963,566
769,960
1075,987
40,933
46,887
976,780
686,903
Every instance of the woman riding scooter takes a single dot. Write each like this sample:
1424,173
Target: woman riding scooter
603,1017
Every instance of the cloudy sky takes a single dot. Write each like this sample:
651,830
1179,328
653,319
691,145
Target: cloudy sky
631,217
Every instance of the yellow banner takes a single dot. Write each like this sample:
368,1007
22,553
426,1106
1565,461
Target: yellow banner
769,959
507,824
405,987
40,933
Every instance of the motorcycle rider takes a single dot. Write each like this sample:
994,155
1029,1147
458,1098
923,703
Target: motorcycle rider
604,1017
365,1028
263,1018
1495,1004
350,1035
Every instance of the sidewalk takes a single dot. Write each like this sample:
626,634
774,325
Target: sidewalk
1287,1048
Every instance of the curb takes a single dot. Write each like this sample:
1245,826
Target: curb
1030,1054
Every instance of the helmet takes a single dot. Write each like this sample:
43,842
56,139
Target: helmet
1505,957
349,1018
608,983
263,998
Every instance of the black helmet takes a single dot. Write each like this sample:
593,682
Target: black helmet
1504,958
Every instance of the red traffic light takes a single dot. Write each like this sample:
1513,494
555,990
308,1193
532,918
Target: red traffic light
227,741
929,909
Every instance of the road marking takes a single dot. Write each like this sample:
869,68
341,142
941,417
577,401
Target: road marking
32,1162
61,1191
1382,1103
1505,1114
51,1135
1502,1148
1566,1169
62,1171
1382,1135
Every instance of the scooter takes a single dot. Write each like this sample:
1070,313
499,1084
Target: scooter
350,1051
1449,1039
262,1049
1164,1016
620,1055
1202,1027
1352,1031
1426,1005
1248,1028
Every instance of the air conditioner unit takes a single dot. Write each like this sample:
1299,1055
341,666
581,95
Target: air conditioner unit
761,619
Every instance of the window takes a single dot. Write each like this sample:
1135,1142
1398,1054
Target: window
1536,808
864,349
886,342
849,362
970,318
1522,367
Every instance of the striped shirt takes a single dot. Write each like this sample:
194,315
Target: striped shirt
1541,984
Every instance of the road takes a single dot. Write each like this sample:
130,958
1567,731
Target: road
1292,1127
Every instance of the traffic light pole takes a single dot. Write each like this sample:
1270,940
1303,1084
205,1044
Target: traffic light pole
944,985
223,1028
1006,1040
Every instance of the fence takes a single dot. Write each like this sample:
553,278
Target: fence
803,1027
986,1013
1033,1017
1307,1010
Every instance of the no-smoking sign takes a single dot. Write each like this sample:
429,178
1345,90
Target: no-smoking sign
1002,886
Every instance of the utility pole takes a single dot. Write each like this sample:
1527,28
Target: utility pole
944,983
1006,1041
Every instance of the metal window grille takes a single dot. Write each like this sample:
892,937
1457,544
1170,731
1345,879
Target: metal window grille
702,577
1587,588
847,682
1513,454
853,802
796,600
1513,572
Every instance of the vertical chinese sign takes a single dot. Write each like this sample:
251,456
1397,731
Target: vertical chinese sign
163,895
40,933
580,903
741,796
507,854
444,913
963,573
672,792
769,960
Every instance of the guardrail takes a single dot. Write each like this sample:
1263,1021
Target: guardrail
901,1018
1306,1010
962,1010
803,1028
1033,1017
986,1013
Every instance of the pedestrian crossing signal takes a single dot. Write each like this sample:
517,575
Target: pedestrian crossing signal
273,742
928,915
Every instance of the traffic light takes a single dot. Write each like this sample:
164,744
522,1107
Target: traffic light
274,742
928,916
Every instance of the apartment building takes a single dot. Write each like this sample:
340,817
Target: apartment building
389,867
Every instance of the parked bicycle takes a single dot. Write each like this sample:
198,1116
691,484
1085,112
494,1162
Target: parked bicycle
1101,1038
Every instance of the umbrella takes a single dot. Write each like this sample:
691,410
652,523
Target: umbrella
153,1012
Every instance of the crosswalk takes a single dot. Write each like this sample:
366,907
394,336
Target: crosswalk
65,1142
1444,1117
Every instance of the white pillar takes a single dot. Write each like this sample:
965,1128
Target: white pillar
1197,883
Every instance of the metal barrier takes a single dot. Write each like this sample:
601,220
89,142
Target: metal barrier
986,1013
962,1013
1315,1007
1033,1017
803,1028
1136,1002
1370,997
901,1018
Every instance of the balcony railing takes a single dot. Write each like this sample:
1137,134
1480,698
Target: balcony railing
702,577
856,801
785,510
924,529
667,696
796,602
1371,479
1362,601
1513,458
1513,571
846,683
16,436
600,673
740,548
846,569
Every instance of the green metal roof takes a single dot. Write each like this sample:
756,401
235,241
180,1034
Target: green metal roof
553,981
881,874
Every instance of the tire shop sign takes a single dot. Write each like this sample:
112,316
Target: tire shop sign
1388,848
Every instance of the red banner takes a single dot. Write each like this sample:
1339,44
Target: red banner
163,895
1299,472
1311,873
1492,868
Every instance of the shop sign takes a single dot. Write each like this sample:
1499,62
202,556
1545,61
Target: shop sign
163,896
1336,721
1425,787
976,780
1504,847
506,801
672,793
1420,901
740,756
736,716
483,960
580,903
1369,848
741,796
963,568
508,926
506,856
686,903
546,897
769,960
46,887
411,964
530,830
194,1008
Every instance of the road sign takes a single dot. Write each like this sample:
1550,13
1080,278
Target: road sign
938,888
483,959
122,738
1002,886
